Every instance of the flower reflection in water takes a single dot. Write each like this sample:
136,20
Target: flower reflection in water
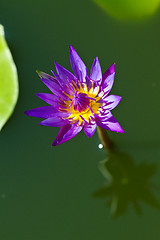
127,183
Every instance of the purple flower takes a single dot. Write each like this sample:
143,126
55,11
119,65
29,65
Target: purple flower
78,101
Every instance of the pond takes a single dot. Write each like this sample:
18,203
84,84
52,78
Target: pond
77,190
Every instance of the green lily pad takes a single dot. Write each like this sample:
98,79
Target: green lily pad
129,9
8,81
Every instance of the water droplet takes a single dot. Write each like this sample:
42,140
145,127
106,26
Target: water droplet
100,146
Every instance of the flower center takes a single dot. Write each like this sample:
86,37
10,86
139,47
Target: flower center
83,104
80,101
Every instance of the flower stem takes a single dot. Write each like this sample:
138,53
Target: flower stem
104,138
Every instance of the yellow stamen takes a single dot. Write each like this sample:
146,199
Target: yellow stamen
93,107
67,94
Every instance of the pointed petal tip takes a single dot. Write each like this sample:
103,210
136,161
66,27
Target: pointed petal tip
89,130
78,66
58,67
39,73
66,132
54,144
71,47
96,72
109,123
55,63
41,123
122,131
96,60
112,68
40,94
27,113
54,74
72,50
119,129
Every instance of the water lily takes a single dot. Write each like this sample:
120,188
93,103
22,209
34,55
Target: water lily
78,101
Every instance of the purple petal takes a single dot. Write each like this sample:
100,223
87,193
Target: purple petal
108,80
49,98
64,74
55,88
53,85
109,71
42,112
78,65
65,85
46,76
60,82
96,72
53,122
111,102
66,133
110,124
107,84
103,115
89,129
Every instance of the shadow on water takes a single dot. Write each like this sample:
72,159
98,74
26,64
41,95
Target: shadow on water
126,183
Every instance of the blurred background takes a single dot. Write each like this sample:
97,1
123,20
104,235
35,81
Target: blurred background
60,192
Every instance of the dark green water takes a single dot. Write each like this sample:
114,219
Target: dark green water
49,193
